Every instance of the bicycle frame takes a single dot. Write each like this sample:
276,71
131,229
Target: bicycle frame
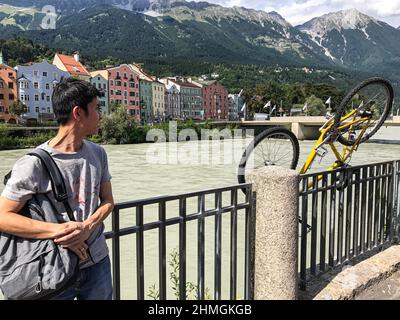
328,130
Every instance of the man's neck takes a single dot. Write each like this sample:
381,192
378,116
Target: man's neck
67,140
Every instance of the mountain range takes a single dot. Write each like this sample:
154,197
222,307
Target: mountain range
176,29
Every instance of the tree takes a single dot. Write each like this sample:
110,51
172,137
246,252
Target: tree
17,108
315,106
115,127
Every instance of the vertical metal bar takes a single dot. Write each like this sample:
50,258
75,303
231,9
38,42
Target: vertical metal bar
340,237
332,220
303,250
324,203
250,246
356,219
370,206
200,247
349,174
162,239
182,249
116,263
364,189
218,240
314,223
140,253
384,199
391,201
233,253
377,204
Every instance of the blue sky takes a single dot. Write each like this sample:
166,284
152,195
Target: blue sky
300,11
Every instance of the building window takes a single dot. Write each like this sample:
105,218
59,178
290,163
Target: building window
43,96
36,85
35,73
47,86
99,85
104,86
112,92
47,98
11,96
44,74
1,84
36,97
112,82
131,85
37,109
10,85
1,96
54,84
118,83
125,84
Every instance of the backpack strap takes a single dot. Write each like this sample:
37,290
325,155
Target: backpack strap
56,179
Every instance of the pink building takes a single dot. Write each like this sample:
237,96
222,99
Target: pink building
123,88
215,99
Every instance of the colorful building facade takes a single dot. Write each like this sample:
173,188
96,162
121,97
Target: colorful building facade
8,91
124,89
72,65
36,83
99,79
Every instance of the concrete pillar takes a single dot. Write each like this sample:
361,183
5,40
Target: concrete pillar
298,130
276,238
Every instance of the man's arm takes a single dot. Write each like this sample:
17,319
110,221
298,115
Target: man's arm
81,234
13,223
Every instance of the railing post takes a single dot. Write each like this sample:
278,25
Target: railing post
276,266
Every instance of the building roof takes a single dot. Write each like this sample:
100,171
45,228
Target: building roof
72,66
142,75
103,73
186,84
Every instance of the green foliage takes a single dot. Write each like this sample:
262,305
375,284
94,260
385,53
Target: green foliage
8,142
20,51
115,127
192,290
17,108
315,106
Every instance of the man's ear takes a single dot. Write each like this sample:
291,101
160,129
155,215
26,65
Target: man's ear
76,113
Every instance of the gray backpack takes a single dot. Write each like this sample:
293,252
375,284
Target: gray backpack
38,269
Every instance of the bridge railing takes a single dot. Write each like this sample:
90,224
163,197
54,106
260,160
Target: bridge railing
351,212
226,204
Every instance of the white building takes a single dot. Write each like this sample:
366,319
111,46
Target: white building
35,88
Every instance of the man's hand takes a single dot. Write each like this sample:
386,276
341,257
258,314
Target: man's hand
81,251
73,234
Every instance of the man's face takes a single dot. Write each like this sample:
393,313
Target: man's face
91,122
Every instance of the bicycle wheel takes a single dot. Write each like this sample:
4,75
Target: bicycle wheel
373,100
272,147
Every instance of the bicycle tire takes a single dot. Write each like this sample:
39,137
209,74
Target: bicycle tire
258,139
388,107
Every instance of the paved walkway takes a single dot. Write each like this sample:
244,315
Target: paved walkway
388,289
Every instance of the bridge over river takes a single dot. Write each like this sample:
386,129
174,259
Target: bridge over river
305,128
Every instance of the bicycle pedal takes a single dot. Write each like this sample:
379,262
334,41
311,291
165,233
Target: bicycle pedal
322,152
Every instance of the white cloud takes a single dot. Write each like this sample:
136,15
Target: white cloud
300,11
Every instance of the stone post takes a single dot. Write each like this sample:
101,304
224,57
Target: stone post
276,238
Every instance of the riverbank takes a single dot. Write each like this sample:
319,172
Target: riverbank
14,138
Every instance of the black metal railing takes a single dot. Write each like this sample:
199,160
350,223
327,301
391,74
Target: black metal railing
351,211
181,220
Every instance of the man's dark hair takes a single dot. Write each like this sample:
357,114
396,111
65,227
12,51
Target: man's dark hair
69,93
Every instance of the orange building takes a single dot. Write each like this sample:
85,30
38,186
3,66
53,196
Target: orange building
8,91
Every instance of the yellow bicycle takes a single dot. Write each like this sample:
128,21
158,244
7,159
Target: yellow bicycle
359,116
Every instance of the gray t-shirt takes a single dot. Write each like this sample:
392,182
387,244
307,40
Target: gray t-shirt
83,171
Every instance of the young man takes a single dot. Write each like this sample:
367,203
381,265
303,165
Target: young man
84,168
